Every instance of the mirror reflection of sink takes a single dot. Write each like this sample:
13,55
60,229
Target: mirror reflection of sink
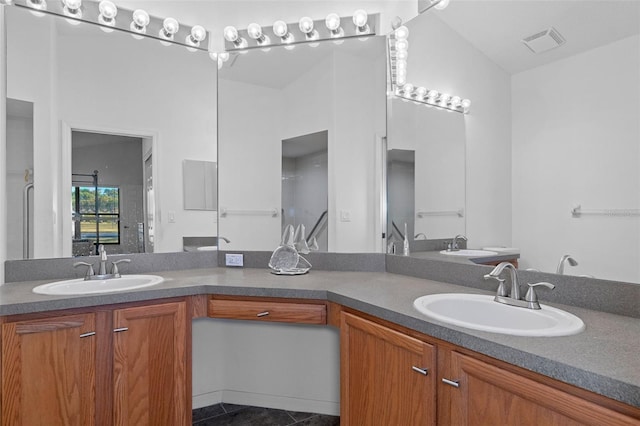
80,286
480,312
207,248
469,253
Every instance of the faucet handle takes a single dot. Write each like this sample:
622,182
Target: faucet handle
502,288
114,266
90,271
531,295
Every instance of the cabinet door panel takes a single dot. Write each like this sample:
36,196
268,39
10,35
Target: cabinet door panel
48,371
381,379
489,395
150,366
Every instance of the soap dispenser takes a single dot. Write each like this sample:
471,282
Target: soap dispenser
405,246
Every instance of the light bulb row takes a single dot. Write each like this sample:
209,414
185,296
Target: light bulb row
109,18
306,30
398,55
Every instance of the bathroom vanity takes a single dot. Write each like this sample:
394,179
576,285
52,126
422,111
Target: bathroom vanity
126,357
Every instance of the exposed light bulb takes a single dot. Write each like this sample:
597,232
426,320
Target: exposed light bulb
401,79
421,92
444,99
224,56
108,12
306,26
465,104
332,22
402,45
455,102
442,4
402,55
401,65
72,9
254,30
401,33
360,18
169,28
198,34
140,21
407,89
230,33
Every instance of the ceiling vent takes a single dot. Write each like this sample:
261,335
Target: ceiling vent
544,40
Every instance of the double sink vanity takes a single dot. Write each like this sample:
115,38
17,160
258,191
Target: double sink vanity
412,350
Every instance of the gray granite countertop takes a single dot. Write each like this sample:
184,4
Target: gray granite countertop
498,257
604,358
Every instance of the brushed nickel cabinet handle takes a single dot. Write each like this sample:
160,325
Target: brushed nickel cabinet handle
118,330
424,371
263,314
91,333
454,383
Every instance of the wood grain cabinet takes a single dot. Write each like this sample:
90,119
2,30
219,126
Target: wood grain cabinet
383,382
48,371
150,365
489,395
264,309
127,366
387,378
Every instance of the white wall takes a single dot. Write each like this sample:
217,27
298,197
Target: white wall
442,60
286,366
575,142
111,81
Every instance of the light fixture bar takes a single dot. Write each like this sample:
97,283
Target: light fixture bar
121,22
293,33
398,51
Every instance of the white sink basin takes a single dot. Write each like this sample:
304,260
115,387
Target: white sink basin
480,312
469,253
80,286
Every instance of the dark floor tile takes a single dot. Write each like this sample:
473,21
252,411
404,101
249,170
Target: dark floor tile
320,420
298,415
250,416
206,412
230,408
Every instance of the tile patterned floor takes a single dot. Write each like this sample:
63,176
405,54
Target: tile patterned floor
241,415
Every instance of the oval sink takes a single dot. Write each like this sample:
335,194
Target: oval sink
480,312
80,286
469,253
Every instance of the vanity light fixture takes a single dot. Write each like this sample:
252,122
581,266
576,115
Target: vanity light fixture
108,12
305,30
398,49
169,29
424,5
139,22
103,13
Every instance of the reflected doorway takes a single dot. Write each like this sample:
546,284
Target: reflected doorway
305,185
107,193
400,194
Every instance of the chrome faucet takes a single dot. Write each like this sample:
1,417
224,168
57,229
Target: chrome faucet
567,258
530,299
102,268
454,243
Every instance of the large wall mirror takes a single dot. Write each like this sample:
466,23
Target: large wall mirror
552,138
98,127
301,131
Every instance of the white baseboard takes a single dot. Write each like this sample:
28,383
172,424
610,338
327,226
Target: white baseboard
269,401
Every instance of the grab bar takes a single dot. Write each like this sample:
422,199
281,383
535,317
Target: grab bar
577,212
459,213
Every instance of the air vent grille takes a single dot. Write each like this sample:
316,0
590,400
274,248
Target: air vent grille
544,40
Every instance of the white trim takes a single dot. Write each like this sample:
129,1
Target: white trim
65,181
3,144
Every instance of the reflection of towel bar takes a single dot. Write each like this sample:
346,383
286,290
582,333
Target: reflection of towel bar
459,213
271,212
577,212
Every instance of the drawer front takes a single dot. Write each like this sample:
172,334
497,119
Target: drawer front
302,313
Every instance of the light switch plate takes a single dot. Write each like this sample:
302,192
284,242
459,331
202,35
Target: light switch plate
345,215
231,259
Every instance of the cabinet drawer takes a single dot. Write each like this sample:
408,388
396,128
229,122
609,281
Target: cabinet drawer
255,310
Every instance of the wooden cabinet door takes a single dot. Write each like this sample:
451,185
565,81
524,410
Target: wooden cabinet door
488,395
150,366
48,371
387,378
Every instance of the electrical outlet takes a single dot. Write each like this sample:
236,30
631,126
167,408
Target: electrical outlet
231,259
172,217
